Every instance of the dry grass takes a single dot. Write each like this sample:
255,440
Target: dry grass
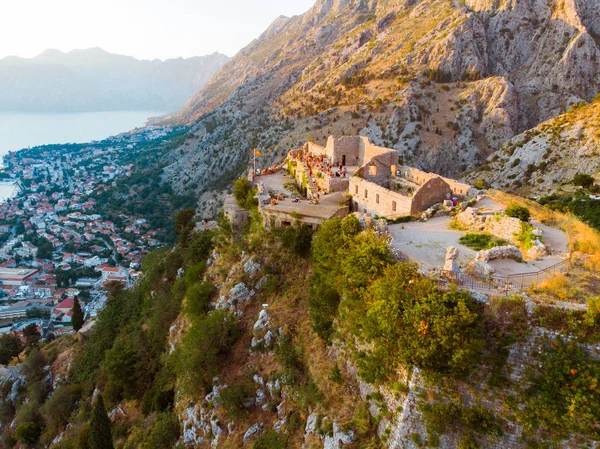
559,288
582,237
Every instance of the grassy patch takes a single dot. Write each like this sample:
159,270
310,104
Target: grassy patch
558,288
457,225
479,242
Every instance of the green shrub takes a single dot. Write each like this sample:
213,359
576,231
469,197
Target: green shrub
297,238
30,424
336,374
583,180
58,408
564,395
480,242
290,358
520,212
480,184
443,417
208,339
270,440
198,298
200,246
409,321
244,193
526,236
164,433
233,398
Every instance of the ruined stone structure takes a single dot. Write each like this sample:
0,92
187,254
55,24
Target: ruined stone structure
371,174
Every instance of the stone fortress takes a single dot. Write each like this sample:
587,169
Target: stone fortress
374,178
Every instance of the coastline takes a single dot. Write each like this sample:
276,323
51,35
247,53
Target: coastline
9,189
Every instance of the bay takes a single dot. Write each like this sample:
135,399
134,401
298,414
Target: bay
23,130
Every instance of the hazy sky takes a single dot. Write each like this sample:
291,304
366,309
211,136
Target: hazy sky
145,29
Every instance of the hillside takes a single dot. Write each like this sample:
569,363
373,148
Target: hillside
446,83
545,159
95,80
274,339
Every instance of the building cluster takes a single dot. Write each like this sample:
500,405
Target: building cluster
372,178
54,241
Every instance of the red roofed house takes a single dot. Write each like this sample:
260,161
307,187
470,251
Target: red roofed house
63,310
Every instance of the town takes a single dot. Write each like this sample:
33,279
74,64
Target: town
55,245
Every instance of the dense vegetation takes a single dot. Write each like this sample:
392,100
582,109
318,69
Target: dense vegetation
144,194
125,355
392,323
579,204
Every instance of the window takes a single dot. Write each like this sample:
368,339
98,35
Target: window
372,170
393,206
377,198
366,193
356,190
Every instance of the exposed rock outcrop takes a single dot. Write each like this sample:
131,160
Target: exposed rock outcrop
365,67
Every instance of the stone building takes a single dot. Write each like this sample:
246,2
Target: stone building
371,175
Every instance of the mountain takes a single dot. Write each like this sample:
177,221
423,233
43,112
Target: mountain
545,159
446,83
95,80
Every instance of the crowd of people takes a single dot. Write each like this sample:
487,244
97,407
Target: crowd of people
322,164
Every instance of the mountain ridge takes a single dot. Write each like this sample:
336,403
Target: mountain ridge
444,83
96,80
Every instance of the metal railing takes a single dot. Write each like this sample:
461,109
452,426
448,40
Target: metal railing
508,283
494,282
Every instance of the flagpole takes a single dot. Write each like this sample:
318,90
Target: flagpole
254,172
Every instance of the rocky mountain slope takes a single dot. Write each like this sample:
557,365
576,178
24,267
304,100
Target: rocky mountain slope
95,80
542,160
267,348
446,83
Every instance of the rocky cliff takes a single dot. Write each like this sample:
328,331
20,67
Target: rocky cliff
445,83
546,158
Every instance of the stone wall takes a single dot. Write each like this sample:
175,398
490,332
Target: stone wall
237,216
377,200
376,172
436,190
421,177
347,146
368,151
503,227
277,219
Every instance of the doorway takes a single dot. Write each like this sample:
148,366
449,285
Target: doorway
343,160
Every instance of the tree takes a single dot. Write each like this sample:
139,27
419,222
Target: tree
243,193
100,436
184,225
30,424
297,238
33,366
32,335
77,318
10,347
200,246
124,368
583,180
409,321
520,212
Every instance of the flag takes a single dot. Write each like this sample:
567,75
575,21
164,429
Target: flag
258,153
